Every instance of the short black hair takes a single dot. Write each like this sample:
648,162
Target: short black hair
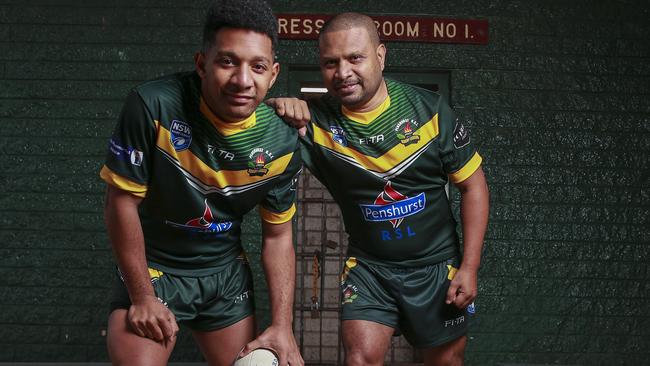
255,15
345,21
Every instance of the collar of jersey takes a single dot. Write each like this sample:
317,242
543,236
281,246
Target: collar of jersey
227,128
367,117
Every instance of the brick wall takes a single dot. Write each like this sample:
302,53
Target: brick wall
558,100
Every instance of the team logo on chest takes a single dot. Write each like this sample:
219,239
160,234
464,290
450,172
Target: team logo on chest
404,132
390,205
203,224
180,135
339,136
259,162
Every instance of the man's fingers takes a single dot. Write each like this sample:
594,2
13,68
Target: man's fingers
295,360
138,330
451,293
282,359
302,131
280,109
167,328
298,115
154,330
461,299
466,300
249,347
306,116
175,327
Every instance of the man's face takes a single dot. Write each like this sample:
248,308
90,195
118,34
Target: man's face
352,66
236,72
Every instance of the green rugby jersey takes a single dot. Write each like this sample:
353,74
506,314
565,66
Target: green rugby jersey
198,175
387,170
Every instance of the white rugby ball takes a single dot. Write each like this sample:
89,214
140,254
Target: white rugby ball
258,357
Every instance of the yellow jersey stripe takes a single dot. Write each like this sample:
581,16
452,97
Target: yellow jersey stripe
467,170
222,178
389,160
275,217
366,117
122,183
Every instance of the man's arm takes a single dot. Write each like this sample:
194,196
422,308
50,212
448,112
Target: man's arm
474,209
293,111
147,316
278,260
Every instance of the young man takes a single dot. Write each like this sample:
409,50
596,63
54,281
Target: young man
191,154
385,151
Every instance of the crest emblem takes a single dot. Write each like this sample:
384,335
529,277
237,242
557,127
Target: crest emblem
349,293
339,136
405,132
180,135
259,162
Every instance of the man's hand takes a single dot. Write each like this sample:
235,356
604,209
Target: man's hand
463,288
281,340
150,318
293,111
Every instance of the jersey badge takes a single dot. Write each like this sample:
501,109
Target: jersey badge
257,162
203,224
471,308
181,135
461,135
349,294
129,153
136,157
390,205
404,132
338,135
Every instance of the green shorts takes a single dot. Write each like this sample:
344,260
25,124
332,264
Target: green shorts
410,300
201,303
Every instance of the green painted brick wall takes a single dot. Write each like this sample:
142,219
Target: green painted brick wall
559,101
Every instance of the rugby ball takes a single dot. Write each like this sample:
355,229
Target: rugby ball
258,357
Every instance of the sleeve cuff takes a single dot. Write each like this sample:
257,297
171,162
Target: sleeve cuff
122,183
467,170
277,218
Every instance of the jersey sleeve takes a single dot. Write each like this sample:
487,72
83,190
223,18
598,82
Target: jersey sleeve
279,205
459,156
128,160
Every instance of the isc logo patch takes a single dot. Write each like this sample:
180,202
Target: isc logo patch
181,135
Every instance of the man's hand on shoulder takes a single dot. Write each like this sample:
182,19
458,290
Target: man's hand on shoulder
293,111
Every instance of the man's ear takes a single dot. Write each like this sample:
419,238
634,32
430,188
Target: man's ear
275,71
381,55
199,64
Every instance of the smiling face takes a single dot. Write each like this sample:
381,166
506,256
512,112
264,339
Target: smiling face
352,65
236,72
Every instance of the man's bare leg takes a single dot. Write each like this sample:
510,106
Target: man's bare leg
365,342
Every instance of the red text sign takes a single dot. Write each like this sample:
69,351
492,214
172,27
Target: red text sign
393,28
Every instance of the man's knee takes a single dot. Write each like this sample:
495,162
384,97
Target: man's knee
361,358
448,354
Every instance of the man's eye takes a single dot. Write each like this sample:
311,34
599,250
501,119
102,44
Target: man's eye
226,61
260,67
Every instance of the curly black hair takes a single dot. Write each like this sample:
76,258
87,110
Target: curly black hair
255,15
